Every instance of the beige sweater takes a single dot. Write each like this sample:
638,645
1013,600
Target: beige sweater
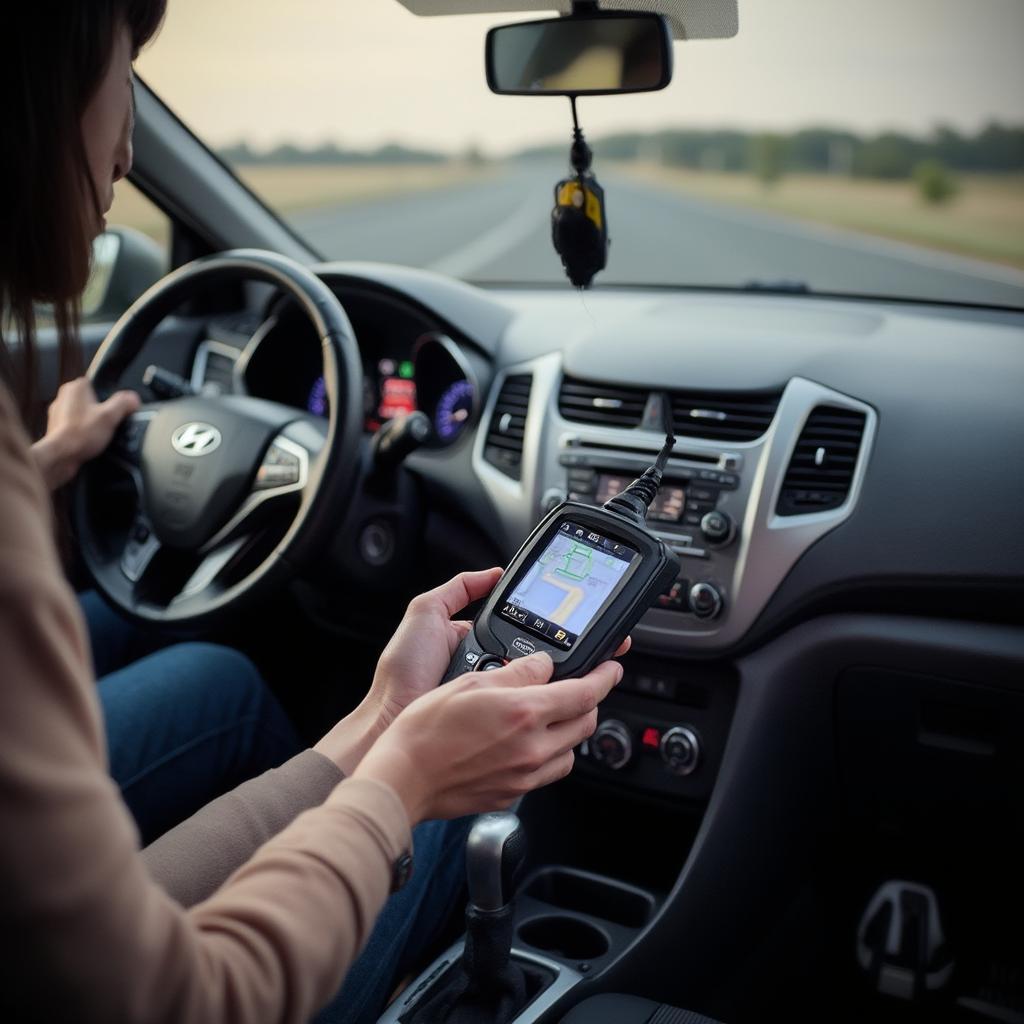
87,933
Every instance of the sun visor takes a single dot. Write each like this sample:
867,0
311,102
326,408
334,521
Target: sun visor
690,19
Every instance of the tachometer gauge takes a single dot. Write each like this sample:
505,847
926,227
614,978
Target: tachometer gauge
454,409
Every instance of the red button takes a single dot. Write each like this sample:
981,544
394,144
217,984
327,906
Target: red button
651,737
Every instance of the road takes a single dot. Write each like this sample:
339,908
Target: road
499,230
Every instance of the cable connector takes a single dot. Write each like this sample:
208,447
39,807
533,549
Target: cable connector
634,502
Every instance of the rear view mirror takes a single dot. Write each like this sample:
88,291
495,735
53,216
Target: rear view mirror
581,55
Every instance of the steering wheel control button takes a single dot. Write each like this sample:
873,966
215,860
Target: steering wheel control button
680,750
705,601
278,469
717,527
612,745
139,550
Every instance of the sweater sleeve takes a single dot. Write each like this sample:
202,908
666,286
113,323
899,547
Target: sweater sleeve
87,933
192,860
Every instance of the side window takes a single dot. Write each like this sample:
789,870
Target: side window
132,254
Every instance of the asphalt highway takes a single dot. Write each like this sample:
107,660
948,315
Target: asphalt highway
498,230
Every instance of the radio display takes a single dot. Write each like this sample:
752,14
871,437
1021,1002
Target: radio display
668,505
569,585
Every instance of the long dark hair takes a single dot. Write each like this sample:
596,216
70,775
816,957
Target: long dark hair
53,62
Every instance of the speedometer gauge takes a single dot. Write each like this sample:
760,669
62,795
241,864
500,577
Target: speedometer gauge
445,387
454,408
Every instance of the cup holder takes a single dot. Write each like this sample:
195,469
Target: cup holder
565,937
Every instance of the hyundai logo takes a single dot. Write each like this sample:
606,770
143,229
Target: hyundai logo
195,439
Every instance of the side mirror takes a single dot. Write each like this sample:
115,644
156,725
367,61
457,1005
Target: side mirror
592,54
125,263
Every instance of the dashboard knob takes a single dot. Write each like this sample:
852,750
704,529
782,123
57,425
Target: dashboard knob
611,744
718,528
705,601
680,750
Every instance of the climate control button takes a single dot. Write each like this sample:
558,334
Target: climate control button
705,601
680,750
611,744
717,527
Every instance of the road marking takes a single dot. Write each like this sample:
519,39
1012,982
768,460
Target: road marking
849,238
504,236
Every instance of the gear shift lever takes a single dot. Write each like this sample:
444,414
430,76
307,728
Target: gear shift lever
487,987
495,854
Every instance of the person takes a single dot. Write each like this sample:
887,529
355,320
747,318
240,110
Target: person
255,907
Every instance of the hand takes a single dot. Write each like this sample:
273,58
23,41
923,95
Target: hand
415,660
78,428
412,664
485,739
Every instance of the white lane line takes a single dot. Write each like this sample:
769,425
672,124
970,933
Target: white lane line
850,238
492,244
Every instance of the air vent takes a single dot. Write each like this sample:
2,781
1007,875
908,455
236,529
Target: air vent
731,416
601,404
214,367
503,447
821,469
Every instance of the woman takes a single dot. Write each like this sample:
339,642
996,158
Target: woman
89,934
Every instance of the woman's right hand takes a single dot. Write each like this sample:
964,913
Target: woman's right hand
483,740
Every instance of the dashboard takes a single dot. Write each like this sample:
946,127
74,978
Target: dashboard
826,447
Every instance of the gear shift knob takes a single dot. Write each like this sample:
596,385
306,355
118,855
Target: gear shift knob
495,854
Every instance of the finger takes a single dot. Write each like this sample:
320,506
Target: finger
557,768
460,630
119,405
464,589
570,698
564,736
533,670
623,647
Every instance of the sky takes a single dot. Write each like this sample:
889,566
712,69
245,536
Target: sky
362,73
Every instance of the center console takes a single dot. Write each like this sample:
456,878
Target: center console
743,497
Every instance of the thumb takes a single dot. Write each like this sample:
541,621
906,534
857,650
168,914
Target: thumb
119,405
532,670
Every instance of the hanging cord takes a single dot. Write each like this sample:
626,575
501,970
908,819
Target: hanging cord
636,499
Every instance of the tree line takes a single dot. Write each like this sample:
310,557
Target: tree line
995,148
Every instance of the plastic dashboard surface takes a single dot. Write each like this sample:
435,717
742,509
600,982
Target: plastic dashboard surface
938,491
935,501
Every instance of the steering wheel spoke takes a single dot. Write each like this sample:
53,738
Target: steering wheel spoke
280,481
141,546
204,578
125,450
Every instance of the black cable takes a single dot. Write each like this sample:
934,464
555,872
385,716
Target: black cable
636,499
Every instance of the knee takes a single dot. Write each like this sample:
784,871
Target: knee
212,668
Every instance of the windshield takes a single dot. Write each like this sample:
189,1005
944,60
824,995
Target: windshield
873,149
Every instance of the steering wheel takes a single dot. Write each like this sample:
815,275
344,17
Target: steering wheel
231,493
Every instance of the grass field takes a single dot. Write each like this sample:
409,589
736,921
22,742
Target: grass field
985,220
287,188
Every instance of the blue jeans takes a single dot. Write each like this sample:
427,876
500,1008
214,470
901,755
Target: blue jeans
184,723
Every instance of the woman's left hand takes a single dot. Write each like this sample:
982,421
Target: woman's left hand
78,428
